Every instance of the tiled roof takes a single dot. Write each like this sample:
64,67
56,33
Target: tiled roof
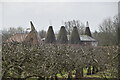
86,38
17,38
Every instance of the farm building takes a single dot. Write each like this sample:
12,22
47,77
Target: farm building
61,38
87,40
30,38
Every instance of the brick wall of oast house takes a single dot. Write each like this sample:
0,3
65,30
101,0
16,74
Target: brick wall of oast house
89,43
33,38
86,43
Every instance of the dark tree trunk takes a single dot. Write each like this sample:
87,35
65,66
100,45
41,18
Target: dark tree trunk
79,73
51,78
93,70
89,70
47,78
56,78
69,76
41,78
97,69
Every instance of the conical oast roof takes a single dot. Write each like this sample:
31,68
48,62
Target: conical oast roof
32,37
62,36
74,37
87,30
50,37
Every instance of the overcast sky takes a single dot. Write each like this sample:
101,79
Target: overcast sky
45,13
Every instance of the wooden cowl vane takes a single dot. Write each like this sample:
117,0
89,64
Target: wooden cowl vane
32,26
50,37
87,30
74,37
32,37
62,36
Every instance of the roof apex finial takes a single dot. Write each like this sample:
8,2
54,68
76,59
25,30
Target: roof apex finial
87,24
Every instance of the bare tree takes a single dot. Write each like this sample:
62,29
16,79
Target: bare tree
11,31
21,61
70,24
107,34
42,33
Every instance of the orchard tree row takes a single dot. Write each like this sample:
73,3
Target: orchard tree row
21,61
